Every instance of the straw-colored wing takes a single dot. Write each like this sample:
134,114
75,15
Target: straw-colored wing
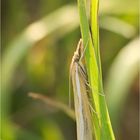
82,108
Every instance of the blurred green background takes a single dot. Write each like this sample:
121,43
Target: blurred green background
38,41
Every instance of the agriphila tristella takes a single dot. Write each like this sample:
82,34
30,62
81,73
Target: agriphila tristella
78,77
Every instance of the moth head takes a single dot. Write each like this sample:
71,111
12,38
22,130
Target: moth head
79,51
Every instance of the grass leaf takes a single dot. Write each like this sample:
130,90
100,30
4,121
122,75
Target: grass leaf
102,126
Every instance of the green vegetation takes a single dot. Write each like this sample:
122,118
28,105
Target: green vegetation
38,41
103,129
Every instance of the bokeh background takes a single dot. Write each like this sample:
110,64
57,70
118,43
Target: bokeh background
38,41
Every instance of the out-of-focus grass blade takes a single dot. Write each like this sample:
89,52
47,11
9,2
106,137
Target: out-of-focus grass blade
20,46
119,7
125,29
35,32
123,70
54,103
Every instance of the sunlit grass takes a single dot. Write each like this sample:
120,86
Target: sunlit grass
18,48
102,126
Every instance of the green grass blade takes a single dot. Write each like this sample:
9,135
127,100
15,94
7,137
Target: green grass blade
90,58
126,30
106,128
91,61
102,127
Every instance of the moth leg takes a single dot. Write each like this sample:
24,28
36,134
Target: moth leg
85,77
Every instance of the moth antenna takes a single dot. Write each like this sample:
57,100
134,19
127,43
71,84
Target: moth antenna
70,104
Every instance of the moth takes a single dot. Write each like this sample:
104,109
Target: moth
78,77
